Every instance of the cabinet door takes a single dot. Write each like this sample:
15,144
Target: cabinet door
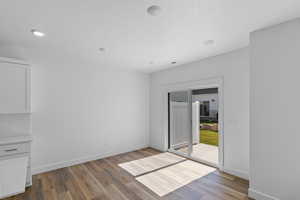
14,88
13,176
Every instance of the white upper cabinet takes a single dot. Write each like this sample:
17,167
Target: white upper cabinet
14,86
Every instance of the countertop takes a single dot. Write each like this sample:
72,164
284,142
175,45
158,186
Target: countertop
15,139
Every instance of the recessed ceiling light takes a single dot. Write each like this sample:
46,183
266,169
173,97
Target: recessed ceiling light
208,42
37,33
154,10
174,62
101,49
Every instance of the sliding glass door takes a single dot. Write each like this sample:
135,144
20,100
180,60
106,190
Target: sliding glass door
193,124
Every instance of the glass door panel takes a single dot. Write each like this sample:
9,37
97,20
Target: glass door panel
180,139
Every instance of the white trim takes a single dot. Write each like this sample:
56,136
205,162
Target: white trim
179,145
190,85
21,63
59,165
252,193
12,194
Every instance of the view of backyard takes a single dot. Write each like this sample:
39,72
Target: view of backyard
209,137
209,134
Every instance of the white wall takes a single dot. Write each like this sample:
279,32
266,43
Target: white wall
83,112
234,67
275,97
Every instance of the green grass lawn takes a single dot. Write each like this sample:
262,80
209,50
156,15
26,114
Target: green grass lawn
209,137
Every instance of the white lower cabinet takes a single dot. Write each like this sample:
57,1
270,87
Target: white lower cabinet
15,168
13,172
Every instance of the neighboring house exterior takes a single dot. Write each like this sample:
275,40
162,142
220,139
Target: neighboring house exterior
208,105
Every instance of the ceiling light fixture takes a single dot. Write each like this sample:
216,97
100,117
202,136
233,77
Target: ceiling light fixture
37,33
154,10
173,63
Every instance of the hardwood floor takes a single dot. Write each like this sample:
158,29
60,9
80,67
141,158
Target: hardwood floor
104,180
169,179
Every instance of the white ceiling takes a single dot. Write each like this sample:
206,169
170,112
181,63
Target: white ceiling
76,29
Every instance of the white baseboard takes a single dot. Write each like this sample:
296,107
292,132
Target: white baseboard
238,173
59,165
12,194
257,195
157,147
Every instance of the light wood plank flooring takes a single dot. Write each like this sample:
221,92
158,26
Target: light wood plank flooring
104,179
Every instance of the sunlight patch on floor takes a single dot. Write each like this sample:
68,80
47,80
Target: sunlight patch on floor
168,179
151,163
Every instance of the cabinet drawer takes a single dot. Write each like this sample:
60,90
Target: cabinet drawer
11,149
